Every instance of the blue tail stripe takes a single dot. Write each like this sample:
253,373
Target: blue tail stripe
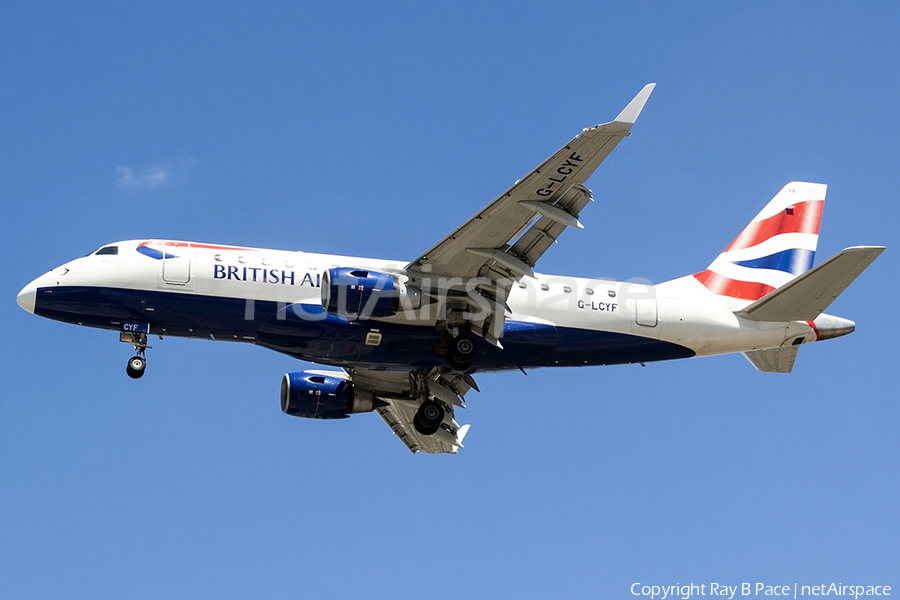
794,261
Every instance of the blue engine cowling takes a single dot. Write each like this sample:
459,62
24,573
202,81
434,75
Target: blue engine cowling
323,395
357,293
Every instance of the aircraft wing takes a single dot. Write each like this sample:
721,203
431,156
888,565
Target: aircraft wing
507,237
402,393
552,192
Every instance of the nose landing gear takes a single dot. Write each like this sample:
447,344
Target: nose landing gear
138,363
136,366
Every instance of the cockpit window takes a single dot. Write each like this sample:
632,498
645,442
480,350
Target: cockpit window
107,250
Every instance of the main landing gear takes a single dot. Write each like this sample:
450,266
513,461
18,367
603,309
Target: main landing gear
462,352
138,363
429,417
458,348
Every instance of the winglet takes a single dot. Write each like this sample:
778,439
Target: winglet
630,113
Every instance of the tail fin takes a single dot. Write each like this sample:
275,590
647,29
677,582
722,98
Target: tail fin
778,245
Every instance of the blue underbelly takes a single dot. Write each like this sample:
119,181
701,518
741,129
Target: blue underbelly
309,333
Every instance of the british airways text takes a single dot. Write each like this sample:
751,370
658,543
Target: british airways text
275,276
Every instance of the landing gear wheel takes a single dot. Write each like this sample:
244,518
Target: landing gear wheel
457,365
136,366
463,348
428,418
462,352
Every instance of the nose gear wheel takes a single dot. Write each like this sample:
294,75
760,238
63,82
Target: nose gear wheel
137,364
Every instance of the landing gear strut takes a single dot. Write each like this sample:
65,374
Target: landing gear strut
429,417
138,363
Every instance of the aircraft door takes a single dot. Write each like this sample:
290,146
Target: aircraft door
641,300
176,269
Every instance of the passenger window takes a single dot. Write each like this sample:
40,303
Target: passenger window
567,289
108,250
589,291
545,287
522,285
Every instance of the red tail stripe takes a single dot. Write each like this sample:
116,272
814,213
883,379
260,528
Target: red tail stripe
805,219
725,286
814,328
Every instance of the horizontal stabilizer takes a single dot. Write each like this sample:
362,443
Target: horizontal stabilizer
773,360
807,296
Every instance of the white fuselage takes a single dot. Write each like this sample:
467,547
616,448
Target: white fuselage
680,313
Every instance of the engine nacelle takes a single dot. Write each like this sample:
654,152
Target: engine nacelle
365,294
323,395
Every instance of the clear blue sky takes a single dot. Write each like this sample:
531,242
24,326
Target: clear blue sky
375,130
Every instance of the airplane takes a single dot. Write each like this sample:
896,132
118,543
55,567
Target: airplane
409,336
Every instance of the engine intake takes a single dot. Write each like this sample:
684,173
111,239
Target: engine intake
323,395
364,294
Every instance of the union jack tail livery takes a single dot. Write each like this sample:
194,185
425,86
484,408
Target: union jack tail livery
778,245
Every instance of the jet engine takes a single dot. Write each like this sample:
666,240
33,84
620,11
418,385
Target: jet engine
323,395
364,294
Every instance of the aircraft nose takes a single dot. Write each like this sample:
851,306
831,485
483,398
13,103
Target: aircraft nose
27,297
